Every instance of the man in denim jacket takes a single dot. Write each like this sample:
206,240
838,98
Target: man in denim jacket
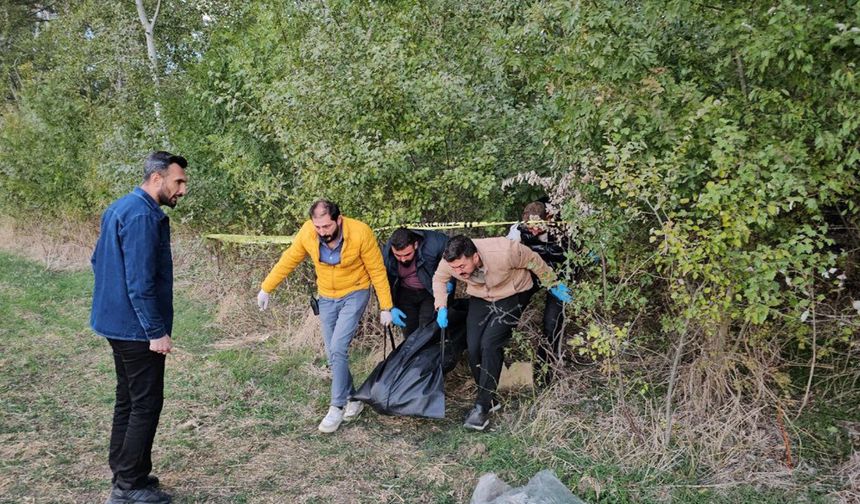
133,309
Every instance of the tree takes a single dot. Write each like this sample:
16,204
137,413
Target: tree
149,33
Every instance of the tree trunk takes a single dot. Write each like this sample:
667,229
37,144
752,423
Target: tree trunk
152,54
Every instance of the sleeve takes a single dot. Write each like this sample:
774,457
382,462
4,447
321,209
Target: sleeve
372,259
291,258
386,261
440,278
140,240
523,257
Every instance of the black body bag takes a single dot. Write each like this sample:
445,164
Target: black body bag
410,380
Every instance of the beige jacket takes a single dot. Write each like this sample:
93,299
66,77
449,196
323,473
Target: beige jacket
507,264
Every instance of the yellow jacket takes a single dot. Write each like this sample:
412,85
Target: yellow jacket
360,263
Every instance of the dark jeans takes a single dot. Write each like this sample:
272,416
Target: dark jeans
553,315
548,351
455,335
139,397
489,326
418,307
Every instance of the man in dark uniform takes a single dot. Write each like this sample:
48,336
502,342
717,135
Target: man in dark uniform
534,233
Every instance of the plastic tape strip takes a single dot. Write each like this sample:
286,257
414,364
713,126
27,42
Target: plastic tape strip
286,240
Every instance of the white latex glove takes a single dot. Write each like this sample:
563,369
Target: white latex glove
263,299
385,317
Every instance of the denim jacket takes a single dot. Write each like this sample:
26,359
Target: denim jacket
133,267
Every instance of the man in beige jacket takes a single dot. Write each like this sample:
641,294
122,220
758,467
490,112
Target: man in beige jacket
498,276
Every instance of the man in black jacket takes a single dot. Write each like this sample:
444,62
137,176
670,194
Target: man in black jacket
411,257
536,236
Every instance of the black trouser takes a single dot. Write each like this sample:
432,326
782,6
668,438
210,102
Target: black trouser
139,397
418,307
489,326
553,315
455,335
548,350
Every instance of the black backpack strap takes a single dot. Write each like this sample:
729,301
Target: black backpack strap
390,334
442,355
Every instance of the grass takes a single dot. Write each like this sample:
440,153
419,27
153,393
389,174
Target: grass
239,424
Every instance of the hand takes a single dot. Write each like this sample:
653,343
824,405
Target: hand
442,317
562,293
398,317
385,317
162,345
263,299
450,286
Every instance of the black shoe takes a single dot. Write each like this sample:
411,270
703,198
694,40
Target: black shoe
477,418
148,495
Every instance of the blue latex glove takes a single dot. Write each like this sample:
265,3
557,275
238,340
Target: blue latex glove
450,286
442,317
398,318
562,293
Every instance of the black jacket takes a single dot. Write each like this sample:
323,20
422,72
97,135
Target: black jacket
429,254
551,251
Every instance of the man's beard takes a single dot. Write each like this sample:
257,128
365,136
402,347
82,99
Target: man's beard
332,237
407,264
164,200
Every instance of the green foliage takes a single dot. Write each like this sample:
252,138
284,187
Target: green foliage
730,132
400,112
82,117
707,155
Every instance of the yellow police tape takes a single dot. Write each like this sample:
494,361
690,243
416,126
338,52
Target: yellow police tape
286,240
252,239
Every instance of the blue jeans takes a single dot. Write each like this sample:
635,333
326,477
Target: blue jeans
339,319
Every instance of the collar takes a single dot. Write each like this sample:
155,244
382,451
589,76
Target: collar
155,207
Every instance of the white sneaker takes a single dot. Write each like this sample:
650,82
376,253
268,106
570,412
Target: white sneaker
332,420
352,410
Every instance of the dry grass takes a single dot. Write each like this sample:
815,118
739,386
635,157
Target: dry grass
850,474
63,246
246,432
738,443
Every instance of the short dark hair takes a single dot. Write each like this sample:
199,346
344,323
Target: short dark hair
160,161
402,237
534,208
324,207
459,246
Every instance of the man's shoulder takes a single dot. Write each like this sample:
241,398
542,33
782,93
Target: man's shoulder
129,206
435,239
357,226
514,233
435,235
495,244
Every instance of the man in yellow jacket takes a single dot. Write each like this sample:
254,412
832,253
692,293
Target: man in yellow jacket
347,260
